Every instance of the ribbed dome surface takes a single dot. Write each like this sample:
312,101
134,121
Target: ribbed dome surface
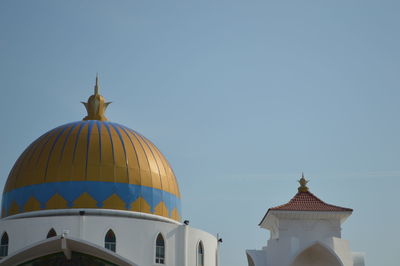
92,164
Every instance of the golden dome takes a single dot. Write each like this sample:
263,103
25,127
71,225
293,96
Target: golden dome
92,164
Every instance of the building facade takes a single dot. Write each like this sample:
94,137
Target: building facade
94,192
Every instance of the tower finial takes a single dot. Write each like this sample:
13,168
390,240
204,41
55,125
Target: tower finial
96,105
96,87
303,184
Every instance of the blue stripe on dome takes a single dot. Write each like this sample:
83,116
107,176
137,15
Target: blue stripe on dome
51,133
52,149
111,140
91,123
99,131
69,191
73,126
77,140
99,191
130,140
116,128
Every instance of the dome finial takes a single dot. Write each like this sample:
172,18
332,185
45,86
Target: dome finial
303,184
96,105
96,87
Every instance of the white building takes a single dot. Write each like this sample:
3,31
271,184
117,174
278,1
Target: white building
305,232
94,192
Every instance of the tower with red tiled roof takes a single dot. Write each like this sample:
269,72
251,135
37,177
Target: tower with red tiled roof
306,231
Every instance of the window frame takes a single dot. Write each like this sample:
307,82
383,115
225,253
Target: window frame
4,246
200,243
155,250
111,246
53,233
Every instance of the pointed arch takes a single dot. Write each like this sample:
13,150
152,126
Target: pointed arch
316,254
110,241
200,254
51,233
4,245
160,249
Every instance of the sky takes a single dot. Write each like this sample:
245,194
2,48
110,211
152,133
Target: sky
240,96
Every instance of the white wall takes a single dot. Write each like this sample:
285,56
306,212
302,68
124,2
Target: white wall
209,244
309,230
135,237
294,236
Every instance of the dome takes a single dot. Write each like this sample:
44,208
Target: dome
92,163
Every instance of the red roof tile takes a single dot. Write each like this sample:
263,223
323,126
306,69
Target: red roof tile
306,201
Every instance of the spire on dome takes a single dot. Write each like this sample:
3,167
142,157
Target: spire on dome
96,104
96,87
303,184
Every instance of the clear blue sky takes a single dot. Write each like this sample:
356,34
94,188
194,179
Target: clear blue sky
241,97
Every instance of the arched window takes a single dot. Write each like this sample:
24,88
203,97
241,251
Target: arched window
109,241
4,245
160,249
200,254
51,233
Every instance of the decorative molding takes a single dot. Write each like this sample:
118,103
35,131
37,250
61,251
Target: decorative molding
92,212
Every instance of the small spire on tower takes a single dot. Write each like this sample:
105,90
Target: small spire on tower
303,184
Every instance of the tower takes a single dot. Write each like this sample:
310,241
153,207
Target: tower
305,232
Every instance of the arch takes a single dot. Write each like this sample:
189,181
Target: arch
67,246
110,241
316,254
51,233
4,245
200,254
160,249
